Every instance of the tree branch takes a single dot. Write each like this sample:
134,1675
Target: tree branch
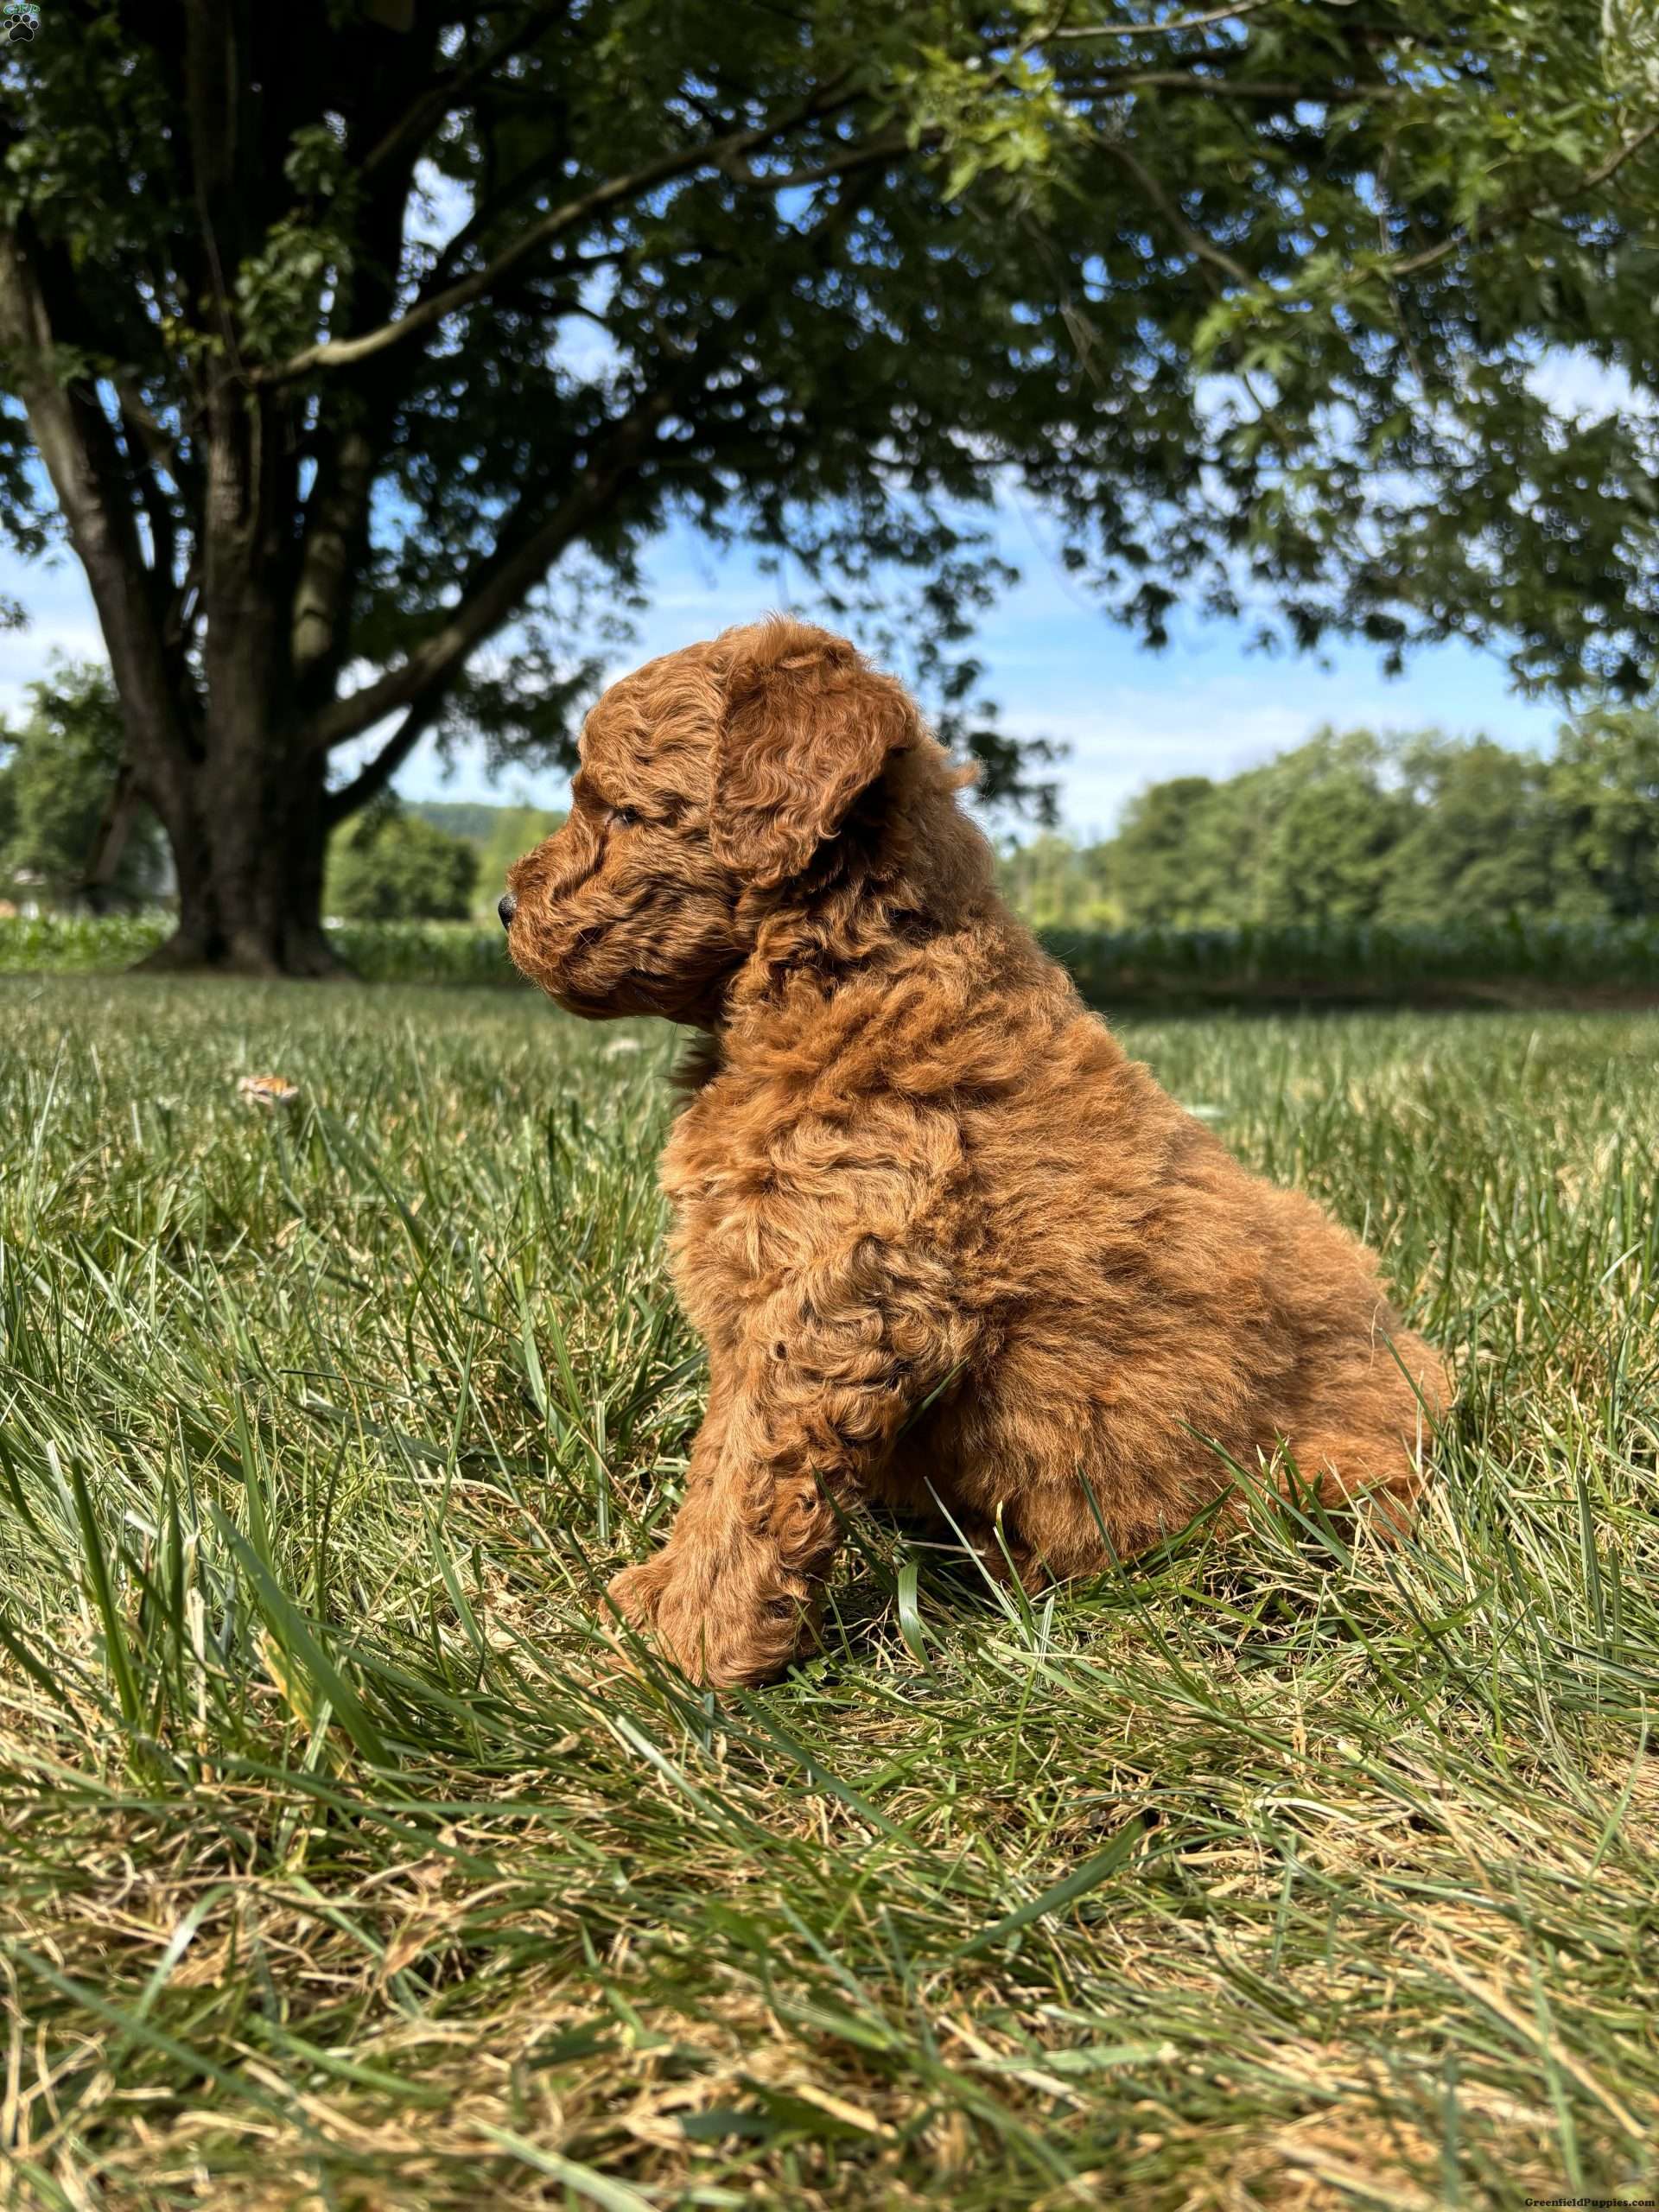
1190,236
157,442
78,446
158,511
1518,210
342,353
1226,88
353,423
374,776
492,207
435,102
501,582
335,527
183,608
860,153
1164,30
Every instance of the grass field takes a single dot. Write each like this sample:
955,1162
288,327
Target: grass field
339,1866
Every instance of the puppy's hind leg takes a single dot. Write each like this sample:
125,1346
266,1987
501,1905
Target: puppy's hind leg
1365,1440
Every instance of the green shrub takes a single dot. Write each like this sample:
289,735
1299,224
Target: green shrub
392,867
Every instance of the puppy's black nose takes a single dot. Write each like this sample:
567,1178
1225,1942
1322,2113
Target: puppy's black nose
507,908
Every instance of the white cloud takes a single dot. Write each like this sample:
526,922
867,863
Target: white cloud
1576,383
1139,736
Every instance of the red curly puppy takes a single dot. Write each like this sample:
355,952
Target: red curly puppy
942,1238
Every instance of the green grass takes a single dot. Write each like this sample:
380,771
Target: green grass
339,1868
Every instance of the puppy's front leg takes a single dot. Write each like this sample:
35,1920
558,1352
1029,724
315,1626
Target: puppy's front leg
675,1581
800,1414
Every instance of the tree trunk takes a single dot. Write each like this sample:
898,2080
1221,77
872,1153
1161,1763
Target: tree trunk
245,810
249,852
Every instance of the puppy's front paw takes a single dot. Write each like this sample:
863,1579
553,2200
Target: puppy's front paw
718,1638
647,1598
636,1593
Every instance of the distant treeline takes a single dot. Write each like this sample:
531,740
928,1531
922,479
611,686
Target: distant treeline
1423,831
1349,832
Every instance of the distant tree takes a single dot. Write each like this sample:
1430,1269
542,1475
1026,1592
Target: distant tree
473,819
1483,841
1420,830
1326,824
65,805
1604,790
1303,838
1153,864
498,833
1057,885
391,866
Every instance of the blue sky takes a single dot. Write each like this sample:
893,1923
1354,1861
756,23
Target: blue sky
1059,668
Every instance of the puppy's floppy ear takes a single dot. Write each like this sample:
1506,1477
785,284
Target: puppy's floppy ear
807,727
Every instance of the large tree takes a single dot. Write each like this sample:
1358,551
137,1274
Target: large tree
353,337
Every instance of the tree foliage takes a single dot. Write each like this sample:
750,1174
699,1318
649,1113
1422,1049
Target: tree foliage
1606,788
498,834
1446,415
1481,837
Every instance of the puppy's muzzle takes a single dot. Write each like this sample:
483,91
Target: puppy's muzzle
506,906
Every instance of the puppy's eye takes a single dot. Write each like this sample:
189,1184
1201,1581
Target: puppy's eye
625,817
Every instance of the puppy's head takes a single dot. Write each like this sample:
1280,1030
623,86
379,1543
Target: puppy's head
707,777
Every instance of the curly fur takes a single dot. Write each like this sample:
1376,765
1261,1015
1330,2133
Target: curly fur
947,1245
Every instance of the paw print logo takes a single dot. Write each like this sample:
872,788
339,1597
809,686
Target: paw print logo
19,21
